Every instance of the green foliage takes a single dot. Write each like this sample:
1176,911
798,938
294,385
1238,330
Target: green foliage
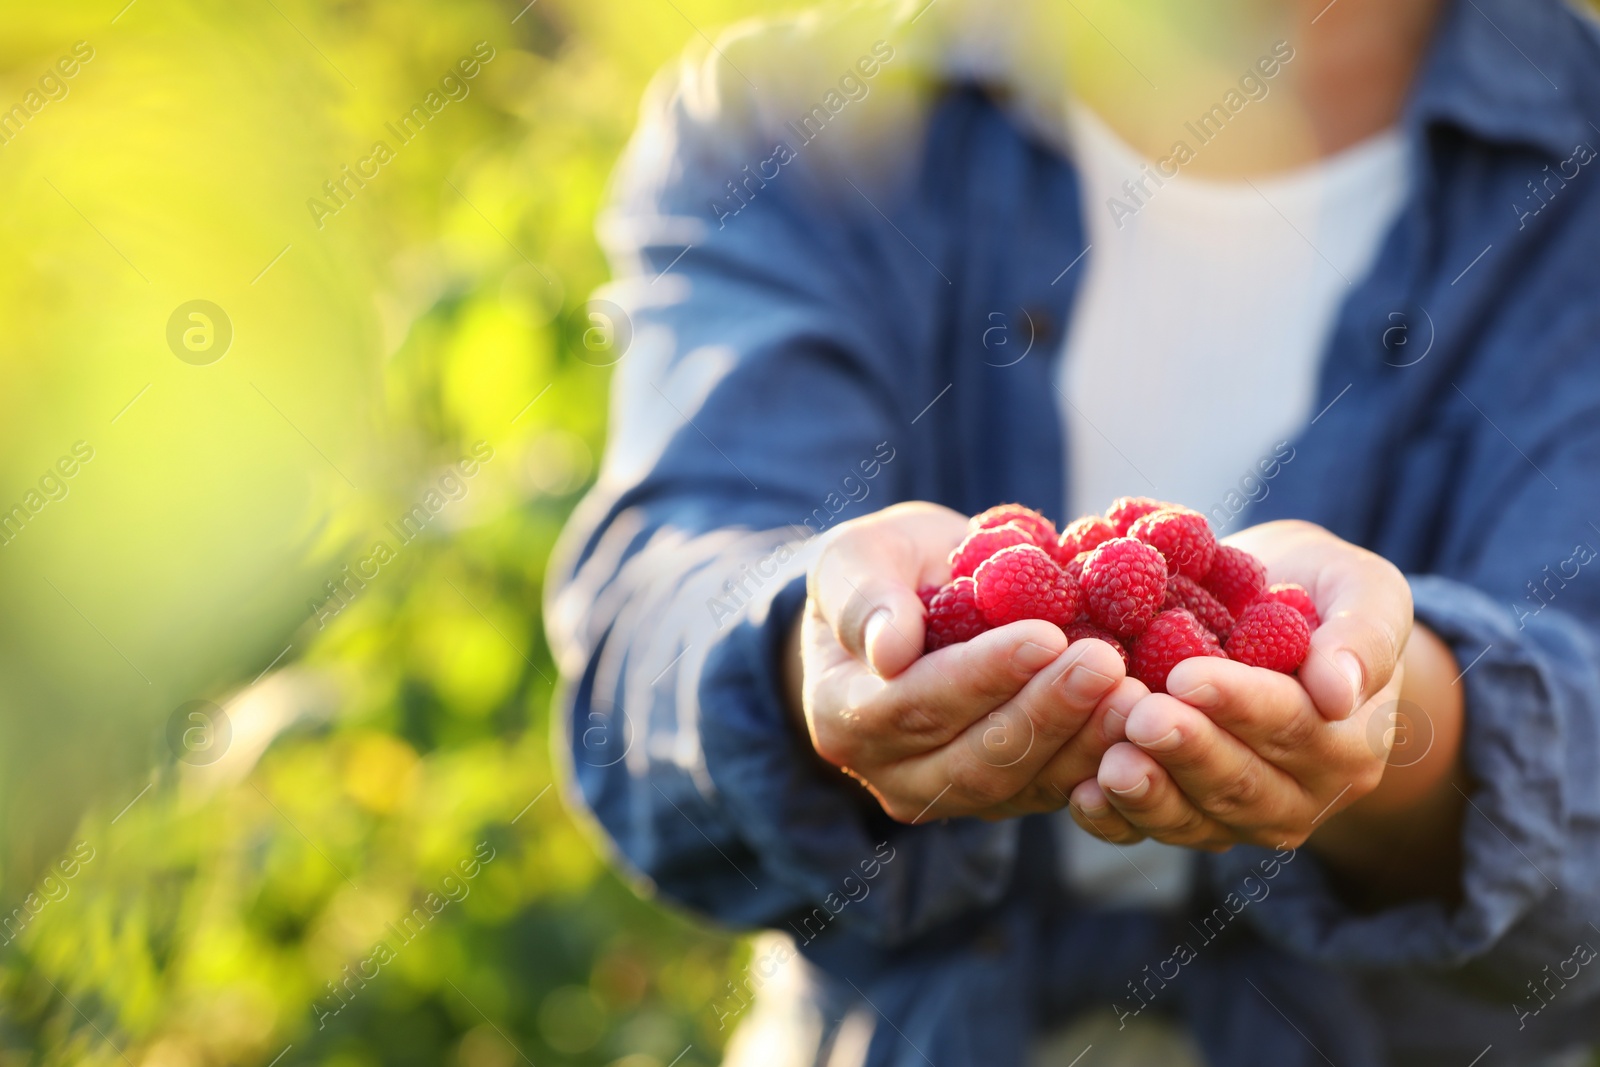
401,747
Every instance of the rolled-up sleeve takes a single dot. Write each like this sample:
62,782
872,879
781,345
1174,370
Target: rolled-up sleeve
1529,744
1519,606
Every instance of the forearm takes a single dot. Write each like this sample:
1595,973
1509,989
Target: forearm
1403,840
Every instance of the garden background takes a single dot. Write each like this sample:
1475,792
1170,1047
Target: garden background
205,878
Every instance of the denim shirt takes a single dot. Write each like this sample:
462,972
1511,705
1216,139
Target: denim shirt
801,303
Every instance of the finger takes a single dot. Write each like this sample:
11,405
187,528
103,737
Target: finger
1270,713
1141,791
1093,811
1215,771
1079,757
865,583
1364,630
1001,753
1364,602
862,720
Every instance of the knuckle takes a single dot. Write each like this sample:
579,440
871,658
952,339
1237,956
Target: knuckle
1194,828
915,719
1291,738
1240,793
1191,829
978,783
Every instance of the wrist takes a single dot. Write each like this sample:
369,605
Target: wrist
1402,840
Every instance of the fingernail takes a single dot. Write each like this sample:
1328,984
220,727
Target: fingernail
861,690
874,630
1030,657
1350,667
1084,684
1204,695
1131,794
1095,811
1163,744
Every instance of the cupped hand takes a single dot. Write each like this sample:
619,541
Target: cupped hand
1003,725
1233,754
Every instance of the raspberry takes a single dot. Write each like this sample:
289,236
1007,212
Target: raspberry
1040,530
1023,582
926,595
1083,535
1172,637
1126,510
1187,594
1236,578
1078,631
953,615
1296,597
1074,567
1181,535
981,544
1124,583
1270,634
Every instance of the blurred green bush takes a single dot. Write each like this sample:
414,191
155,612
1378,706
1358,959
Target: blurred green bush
232,912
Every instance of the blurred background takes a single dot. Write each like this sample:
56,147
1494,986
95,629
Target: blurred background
299,387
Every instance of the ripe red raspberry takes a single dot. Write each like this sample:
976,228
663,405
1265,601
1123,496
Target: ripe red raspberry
1296,597
981,544
1023,582
1186,593
1124,583
1236,578
1080,630
953,615
1040,530
1172,637
1181,535
926,595
1271,635
1074,567
1126,510
1083,535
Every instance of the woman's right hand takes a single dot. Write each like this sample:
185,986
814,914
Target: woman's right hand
1000,726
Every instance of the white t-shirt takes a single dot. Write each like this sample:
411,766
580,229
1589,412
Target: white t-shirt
1193,354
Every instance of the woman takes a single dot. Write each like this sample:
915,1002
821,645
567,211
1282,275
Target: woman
1317,270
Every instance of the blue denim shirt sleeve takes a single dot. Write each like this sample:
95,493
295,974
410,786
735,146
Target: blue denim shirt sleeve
753,409
1517,599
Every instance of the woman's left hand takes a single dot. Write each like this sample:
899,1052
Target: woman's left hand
1241,755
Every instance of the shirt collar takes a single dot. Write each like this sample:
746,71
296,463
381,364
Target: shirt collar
1507,71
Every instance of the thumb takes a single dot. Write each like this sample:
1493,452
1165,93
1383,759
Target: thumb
865,585
1356,649
876,617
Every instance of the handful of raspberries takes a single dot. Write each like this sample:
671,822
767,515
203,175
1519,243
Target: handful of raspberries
1148,578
